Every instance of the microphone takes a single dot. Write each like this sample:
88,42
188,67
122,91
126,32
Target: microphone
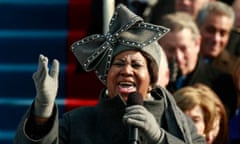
134,98
174,70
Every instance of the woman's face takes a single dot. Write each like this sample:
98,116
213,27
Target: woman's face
196,114
128,73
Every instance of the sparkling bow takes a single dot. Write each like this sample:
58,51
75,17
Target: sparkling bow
126,31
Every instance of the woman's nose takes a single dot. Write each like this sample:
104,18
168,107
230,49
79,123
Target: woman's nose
127,70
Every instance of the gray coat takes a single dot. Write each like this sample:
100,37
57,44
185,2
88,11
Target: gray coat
103,124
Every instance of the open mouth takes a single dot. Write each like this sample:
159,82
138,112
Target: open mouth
126,84
126,87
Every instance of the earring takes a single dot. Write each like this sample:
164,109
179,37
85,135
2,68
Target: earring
149,88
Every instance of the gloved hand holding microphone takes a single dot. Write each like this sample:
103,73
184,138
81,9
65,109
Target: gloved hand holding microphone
138,116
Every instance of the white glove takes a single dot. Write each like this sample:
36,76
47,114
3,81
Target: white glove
139,117
46,84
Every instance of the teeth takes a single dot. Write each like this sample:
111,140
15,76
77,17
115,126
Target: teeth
129,83
126,84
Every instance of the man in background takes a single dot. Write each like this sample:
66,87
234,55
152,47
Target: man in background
182,44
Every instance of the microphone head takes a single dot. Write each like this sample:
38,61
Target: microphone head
134,98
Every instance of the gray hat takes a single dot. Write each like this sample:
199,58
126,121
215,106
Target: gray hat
127,31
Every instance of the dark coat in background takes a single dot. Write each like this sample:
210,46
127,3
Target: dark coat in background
227,62
221,82
233,45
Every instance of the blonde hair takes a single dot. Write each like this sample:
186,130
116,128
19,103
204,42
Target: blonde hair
188,97
222,136
200,94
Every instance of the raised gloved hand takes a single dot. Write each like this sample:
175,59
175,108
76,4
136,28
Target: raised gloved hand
139,117
46,84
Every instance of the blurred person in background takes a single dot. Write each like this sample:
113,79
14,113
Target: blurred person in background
142,8
163,7
206,110
182,46
215,23
233,45
236,8
219,133
219,37
191,7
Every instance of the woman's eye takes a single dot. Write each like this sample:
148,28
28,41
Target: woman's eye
196,120
118,64
136,65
